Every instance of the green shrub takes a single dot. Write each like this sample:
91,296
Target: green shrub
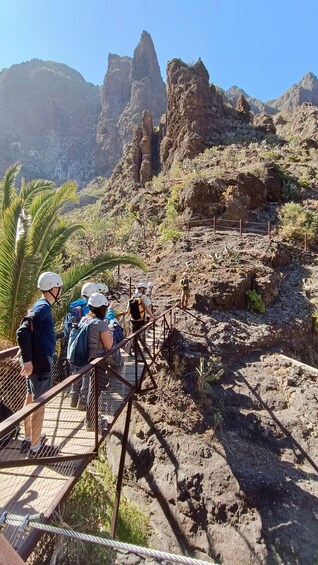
209,371
295,221
291,190
255,302
169,234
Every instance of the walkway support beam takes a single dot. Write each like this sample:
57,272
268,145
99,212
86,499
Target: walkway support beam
121,470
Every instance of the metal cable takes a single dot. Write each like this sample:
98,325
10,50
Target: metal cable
26,522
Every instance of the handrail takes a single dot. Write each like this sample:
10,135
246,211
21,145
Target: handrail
8,424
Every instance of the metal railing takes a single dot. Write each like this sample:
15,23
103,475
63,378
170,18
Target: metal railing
241,226
78,434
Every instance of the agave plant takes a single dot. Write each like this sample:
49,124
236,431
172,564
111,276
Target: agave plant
32,237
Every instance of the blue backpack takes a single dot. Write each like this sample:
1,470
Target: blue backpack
118,334
77,310
77,347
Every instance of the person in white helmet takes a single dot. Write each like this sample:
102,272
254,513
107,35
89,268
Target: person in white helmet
100,340
78,308
138,314
36,339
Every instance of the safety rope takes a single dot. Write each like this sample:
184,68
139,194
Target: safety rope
24,523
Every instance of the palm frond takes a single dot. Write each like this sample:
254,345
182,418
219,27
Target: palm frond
7,185
46,212
18,272
58,239
32,188
101,263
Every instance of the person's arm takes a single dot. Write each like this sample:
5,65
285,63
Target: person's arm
24,339
107,339
147,306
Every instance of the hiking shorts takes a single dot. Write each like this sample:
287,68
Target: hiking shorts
137,324
38,384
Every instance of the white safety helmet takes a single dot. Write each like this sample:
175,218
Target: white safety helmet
88,289
97,300
142,285
184,274
150,285
47,281
101,287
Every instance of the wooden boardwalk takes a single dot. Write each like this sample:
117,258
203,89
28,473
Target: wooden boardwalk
33,489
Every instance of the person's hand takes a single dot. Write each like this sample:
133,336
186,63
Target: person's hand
27,369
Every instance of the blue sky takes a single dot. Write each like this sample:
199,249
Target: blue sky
261,46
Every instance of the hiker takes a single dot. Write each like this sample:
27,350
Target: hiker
100,340
185,290
139,306
36,340
78,308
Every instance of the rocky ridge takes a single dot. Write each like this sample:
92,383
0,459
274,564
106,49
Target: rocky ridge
130,87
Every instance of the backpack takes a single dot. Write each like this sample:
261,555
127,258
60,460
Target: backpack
118,334
74,315
77,347
5,413
185,283
136,308
26,336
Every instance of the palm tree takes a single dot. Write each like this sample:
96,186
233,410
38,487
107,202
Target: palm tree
32,237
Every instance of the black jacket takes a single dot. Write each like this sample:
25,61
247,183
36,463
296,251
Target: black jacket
30,347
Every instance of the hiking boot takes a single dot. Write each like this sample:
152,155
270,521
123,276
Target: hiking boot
26,444
73,401
44,451
82,404
89,426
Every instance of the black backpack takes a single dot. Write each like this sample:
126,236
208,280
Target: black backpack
5,413
136,308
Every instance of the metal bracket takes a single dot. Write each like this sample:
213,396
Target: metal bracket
24,529
3,518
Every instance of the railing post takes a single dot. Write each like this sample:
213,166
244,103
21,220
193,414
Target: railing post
154,338
269,230
130,293
96,406
214,224
136,359
118,272
240,227
305,242
121,470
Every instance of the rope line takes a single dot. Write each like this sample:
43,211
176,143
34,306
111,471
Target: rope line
26,522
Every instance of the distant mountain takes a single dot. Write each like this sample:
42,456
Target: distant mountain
48,117
304,91
256,105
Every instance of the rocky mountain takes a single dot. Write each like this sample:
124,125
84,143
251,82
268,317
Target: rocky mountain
257,106
61,127
48,117
195,111
130,86
197,118
304,91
